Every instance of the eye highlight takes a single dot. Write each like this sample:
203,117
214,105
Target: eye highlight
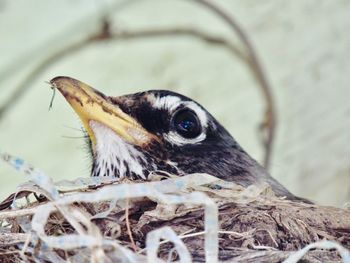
186,123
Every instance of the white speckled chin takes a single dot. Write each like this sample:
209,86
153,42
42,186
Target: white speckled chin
114,156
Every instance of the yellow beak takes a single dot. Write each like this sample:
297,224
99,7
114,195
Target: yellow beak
91,106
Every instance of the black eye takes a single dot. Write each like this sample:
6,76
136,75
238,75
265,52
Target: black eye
186,123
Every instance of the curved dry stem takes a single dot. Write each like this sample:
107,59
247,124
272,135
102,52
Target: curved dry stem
22,87
105,35
249,57
270,119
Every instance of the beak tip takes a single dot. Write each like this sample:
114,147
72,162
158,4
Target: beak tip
57,79
60,81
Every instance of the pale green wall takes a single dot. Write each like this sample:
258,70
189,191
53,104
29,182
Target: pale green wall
304,46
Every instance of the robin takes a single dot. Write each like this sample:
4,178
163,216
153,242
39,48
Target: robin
160,130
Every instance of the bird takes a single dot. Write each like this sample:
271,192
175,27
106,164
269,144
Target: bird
134,135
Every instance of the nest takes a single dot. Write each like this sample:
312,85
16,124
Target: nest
194,218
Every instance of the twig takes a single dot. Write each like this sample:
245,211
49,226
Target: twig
52,98
105,34
180,236
9,252
184,235
19,212
127,223
264,248
25,247
270,121
236,234
22,87
9,239
270,235
181,32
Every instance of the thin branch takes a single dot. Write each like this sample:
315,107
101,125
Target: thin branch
270,120
128,227
22,87
20,212
181,32
105,34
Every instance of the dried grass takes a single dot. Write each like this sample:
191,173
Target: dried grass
193,218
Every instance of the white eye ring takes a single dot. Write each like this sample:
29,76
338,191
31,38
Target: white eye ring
175,138
186,123
172,103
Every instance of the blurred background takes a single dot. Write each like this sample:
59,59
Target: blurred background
128,46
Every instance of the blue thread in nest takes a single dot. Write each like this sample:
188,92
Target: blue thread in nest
18,163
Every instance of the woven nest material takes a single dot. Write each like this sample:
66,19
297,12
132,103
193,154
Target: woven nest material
192,218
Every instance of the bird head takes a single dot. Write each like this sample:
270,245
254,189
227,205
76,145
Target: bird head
157,130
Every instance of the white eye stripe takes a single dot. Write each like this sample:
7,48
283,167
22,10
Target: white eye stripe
167,102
